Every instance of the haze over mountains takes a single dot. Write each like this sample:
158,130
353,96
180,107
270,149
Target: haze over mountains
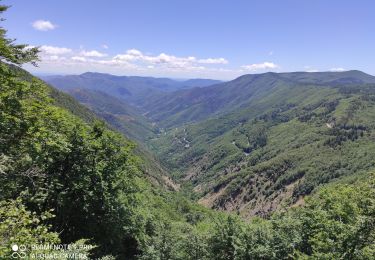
253,144
135,90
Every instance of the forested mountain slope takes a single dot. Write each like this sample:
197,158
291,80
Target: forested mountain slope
277,145
257,143
127,119
330,78
89,176
66,178
196,104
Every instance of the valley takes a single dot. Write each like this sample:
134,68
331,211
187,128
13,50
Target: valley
252,145
170,164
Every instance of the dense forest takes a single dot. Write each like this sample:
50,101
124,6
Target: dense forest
66,177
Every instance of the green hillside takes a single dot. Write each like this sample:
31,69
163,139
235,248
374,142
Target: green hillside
259,142
72,187
196,104
67,178
117,113
126,119
279,148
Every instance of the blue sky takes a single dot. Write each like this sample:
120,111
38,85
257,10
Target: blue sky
185,39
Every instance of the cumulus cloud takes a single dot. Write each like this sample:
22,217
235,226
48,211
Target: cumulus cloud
337,69
43,25
132,61
134,52
213,61
52,50
78,58
54,57
166,60
93,53
260,66
130,55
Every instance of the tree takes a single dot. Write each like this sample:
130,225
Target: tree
15,53
53,160
164,245
339,222
20,227
223,238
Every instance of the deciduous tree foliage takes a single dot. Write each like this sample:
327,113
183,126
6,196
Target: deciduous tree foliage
19,226
52,160
64,180
336,223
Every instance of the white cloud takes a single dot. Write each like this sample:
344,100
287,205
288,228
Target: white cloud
134,52
337,69
93,53
260,66
113,64
43,25
213,61
130,55
56,59
270,53
52,50
105,46
78,58
166,60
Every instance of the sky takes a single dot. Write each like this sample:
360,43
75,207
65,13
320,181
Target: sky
195,38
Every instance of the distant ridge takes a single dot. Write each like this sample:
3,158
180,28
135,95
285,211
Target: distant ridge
199,103
132,89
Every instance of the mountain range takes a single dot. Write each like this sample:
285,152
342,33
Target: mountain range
265,166
134,90
253,144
